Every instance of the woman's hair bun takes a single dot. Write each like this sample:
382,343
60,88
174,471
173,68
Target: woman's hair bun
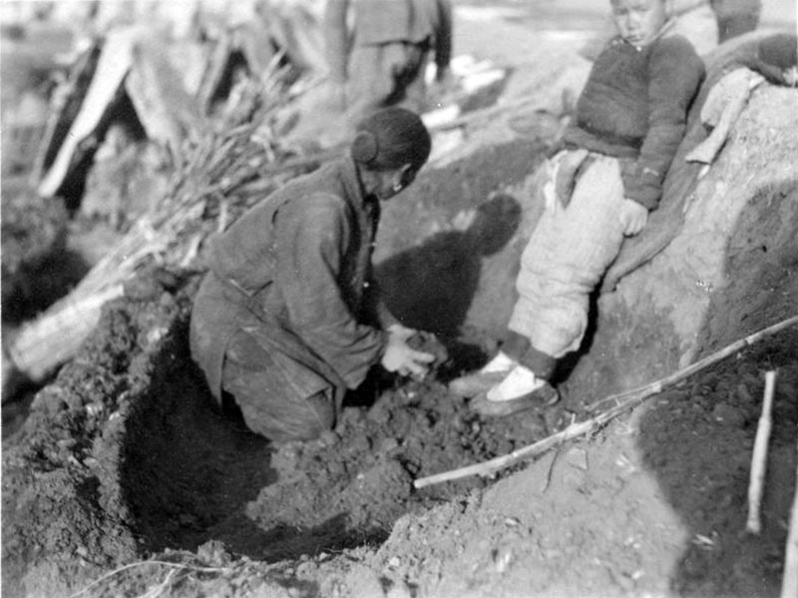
390,138
365,147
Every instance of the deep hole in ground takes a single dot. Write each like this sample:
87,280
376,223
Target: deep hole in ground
178,472
192,472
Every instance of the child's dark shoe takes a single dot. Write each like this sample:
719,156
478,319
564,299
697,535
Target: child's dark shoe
543,396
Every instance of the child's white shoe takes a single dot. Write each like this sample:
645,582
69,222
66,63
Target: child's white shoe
520,390
519,382
488,376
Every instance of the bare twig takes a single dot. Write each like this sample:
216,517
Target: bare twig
123,568
489,467
624,402
551,469
753,524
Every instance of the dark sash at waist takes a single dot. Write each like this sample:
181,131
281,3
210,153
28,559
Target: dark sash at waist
614,139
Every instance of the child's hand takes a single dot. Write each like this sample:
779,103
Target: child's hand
791,76
633,217
336,95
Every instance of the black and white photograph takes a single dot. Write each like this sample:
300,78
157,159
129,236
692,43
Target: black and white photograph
399,298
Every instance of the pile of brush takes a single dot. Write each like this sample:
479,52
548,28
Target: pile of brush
234,164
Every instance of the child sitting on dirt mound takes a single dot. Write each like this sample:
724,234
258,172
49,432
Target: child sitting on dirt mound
630,119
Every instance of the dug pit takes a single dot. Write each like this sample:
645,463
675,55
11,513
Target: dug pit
153,464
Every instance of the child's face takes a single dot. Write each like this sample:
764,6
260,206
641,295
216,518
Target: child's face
639,21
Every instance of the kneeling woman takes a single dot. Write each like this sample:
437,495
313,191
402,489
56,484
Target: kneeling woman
285,320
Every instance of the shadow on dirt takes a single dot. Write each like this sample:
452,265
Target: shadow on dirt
335,534
431,287
698,438
187,470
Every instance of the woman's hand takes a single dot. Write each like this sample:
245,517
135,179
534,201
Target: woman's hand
400,358
633,217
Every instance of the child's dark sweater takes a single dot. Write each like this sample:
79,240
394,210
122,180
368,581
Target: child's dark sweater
635,105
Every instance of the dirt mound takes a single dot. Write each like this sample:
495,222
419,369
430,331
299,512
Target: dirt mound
64,514
656,503
653,505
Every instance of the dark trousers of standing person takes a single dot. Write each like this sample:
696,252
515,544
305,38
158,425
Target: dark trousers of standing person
390,74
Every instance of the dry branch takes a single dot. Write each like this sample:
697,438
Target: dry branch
172,566
753,524
625,401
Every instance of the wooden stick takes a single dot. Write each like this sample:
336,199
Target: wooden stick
759,459
490,467
625,402
789,583
703,363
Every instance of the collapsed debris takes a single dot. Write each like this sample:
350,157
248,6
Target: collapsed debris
163,88
221,176
143,114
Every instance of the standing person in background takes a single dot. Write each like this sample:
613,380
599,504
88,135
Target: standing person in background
629,122
384,63
286,320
